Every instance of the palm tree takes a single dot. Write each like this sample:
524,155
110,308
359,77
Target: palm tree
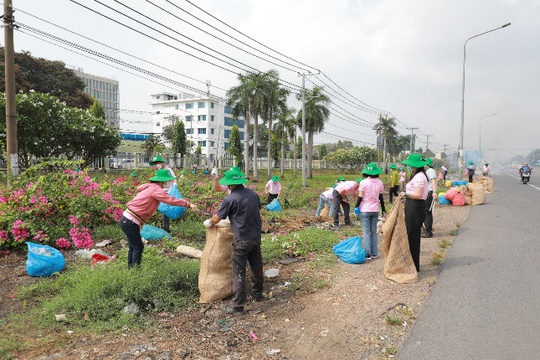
275,105
386,130
251,97
286,130
317,113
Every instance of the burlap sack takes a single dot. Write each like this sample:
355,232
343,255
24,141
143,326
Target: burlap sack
398,262
487,182
325,212
215,277
478,193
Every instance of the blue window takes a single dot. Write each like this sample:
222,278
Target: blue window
201,131
212,117
189,131
228,121
202,143
211,144
240,123
189,118
225,145
212,131
241,135
201,118
212,105
176,106
189,105
228,110
201,104
227,133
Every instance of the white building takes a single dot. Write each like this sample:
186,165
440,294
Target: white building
107,91
208,122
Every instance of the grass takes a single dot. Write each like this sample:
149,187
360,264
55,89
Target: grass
97,297
394,320
437,258
445,243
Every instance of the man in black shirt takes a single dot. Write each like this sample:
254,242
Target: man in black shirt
242,206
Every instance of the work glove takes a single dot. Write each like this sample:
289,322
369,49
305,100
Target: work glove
207,223
214,173
357,212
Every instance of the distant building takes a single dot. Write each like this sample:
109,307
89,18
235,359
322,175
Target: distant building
208,122
106,91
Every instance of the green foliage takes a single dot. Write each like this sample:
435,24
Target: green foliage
352,159
101,293
235,145
152,145
47,77
97,110
47,129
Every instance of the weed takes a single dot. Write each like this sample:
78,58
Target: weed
437,258
389,350
9,349
458,225
431,281
453,233
443,244
394,320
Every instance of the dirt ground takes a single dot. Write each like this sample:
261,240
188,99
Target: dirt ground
360,315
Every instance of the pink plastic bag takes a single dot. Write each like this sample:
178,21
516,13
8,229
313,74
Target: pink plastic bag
459,199
450,194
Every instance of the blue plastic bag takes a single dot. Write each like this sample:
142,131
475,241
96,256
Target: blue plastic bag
350,250
150,232
43,260
443,200
274,206
171,211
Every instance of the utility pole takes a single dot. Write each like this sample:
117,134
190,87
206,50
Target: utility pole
379,128
427,142
11,108
411,150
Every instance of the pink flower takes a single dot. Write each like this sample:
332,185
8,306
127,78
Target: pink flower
63,243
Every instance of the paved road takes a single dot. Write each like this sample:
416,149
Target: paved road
486,302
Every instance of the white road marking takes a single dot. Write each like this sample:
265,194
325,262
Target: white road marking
519,178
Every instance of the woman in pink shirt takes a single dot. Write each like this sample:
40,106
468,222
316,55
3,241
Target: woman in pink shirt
142,207
370,194
416,192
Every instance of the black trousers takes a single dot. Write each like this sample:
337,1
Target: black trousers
393,192
135,244
165,224
428,223
415,214
337,201
244,251
270,198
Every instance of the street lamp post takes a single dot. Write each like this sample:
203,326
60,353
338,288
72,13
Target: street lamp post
461,153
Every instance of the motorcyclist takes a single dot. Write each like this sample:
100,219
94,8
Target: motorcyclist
524,169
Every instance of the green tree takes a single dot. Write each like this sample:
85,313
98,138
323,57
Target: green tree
179,138
386,129
285,130
97,110
275,104
352,159
235,145
322,151
317,114
152,145
49,129
49,77
250,98
198,151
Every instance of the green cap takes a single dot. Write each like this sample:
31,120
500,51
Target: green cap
372,169
133,174
429,162
156,159
233,177
341,179
471,163
275,178
162,175
415,161
393,166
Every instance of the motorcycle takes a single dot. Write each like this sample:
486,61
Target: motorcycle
525,176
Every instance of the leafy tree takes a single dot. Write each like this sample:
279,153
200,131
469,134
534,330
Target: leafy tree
276,104
251,98
352,159
235,145
179,138
322,151
386,129
97,110
49,77
317,113
152,145
533,156
198,151
285,130
48,129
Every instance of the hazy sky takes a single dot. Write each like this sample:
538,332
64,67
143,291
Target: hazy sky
402,58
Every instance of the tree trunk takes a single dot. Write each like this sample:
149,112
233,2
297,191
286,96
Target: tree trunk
282,154
246,145
295,160
310,155
255,142
269,150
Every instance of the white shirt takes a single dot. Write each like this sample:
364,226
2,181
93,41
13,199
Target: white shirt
431,175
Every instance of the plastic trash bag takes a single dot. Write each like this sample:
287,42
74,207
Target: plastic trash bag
149,232
43,260
274,206
443,200
171,211
350,250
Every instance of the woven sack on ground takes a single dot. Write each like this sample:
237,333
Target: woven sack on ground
478,193
487,182
215,276
398,262
325,212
